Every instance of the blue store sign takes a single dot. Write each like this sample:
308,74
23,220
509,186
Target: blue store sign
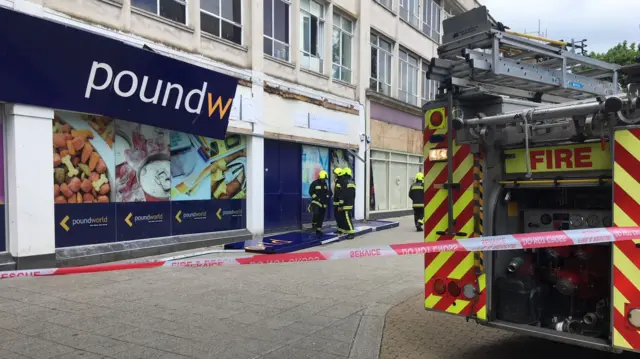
70,69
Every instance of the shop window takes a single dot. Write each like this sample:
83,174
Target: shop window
174,10
381,51
222,18
408,78
342,47
116,180
311,35
393,173
276,28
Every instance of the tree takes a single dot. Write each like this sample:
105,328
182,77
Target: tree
621,54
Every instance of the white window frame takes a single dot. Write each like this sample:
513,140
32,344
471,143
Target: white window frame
157,12
385,3
342,31
405,92
222,18
428,88
272,38
410,176
320,40
388,55
410,12
431,19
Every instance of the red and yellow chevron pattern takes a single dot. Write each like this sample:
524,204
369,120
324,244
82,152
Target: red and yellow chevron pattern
447,266
626,256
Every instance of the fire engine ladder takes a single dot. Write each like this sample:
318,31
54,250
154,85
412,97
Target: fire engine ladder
479,54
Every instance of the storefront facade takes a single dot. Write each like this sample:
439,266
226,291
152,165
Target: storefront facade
395,155
153,149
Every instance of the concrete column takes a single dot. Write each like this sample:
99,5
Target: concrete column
255,158
30,203
296,33
194,22
361,174
125,15
255,22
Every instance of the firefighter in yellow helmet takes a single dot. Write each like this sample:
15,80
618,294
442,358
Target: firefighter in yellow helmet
347,200
416,193
337,190
319,193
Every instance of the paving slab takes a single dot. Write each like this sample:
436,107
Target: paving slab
294,310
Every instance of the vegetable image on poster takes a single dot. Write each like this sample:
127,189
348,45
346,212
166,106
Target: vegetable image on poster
204,168
143,163
314,160
83,158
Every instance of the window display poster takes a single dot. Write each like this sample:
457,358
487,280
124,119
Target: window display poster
83,167
127,175
142,162
314,160
341,159
203,168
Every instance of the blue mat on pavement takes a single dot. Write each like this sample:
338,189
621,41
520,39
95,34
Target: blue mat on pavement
298,240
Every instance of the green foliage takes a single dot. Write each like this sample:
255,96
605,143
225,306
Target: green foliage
621,54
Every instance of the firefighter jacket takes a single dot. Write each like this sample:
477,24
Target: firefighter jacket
338,190
416,193
319,192
348,195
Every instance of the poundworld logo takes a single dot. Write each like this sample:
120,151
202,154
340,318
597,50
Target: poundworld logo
90,221
127,84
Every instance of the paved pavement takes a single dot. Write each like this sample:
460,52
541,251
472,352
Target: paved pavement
411,332
309,310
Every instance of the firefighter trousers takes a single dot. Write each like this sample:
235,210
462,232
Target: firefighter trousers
317,213
343,219
418,216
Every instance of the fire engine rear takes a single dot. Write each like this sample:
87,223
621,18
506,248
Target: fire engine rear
528,135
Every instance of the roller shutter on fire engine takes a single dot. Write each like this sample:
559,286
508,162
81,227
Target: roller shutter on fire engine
582,157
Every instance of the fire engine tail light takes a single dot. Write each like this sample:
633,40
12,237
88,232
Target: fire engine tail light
634,317
439,287
469,291
454,289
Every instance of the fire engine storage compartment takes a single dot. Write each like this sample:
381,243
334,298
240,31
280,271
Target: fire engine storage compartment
559,291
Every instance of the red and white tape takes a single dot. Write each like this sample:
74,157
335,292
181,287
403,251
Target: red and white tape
492,243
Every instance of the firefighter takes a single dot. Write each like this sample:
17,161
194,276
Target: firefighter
348,198
337,204
416,193
319,193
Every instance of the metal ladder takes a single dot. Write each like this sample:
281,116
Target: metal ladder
479,54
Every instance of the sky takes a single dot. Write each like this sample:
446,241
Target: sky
602,23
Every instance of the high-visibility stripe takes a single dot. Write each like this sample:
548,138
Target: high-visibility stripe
626,257
449,266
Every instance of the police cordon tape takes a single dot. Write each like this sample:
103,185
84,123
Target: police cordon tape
491,243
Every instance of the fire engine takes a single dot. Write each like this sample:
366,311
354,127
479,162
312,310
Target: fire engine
526,135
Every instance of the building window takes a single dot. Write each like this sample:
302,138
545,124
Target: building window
429,87
342,43
174,10
222,18
311,34
381,51
393,173
408,78
431,19
410,12
385,3
276,28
